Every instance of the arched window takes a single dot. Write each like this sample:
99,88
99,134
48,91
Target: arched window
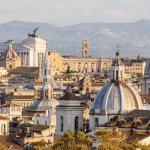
61,124
37,122
45,122
76,123
96,122
10,66
117,75
113,75
45,72
3,129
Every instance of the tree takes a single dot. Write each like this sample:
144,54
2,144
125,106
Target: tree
73,141
3,147
42,145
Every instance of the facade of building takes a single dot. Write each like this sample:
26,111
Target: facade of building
135,68
11,110
69,114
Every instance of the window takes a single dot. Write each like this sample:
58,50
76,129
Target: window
116,75
61,123
3,129
45,122
76,123
96,122
45,72
37,122
10,66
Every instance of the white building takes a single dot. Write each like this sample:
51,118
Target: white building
69,114
11,110
30,50
3,71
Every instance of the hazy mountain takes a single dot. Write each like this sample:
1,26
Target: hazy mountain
133,37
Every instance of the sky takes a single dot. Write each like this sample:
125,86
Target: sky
69,12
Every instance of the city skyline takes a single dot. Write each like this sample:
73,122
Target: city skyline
66,12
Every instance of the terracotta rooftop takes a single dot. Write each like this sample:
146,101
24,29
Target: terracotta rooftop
22,70
8,142
38,128
145,98
69,96
139,113
136,137
11,104
3,118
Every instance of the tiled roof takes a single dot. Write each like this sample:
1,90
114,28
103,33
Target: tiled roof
22,70
3,118
136,137
139,113
38,128
23,97
11,104
145,98
69,96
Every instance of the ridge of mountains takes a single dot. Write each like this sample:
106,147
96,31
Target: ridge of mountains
133,38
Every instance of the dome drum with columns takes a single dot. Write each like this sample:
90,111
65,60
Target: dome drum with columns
147,69
115,98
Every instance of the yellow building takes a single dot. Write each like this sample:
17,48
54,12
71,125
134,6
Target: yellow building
135,68
10,59
57,62
84,64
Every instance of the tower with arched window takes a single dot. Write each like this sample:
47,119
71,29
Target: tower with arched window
69,113
85,48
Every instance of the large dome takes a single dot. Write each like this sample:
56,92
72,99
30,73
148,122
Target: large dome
116,98
147,69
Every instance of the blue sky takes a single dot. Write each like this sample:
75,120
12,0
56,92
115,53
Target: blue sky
68,12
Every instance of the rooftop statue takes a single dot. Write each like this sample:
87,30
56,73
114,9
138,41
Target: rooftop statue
33,35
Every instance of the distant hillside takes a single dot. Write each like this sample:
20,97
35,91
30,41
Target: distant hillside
134,38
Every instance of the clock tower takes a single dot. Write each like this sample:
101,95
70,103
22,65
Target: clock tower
85,48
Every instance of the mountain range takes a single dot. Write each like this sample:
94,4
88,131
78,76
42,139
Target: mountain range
133,38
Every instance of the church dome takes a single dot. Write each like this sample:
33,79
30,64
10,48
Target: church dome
10,53
116,98
147,69
43,105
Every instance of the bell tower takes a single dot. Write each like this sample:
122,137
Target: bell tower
85,48
117,68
